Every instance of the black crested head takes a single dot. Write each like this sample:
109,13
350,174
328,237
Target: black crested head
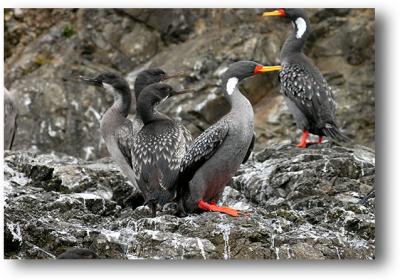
148,77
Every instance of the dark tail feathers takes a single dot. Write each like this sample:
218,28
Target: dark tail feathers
333,132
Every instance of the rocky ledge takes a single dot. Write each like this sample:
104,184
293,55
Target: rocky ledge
315,203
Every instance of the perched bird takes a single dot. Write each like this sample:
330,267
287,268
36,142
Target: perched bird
217,153
158,147
10,120
306,92
148,77
78,253
116,129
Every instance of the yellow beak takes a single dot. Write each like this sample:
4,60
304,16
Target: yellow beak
273,13
269,69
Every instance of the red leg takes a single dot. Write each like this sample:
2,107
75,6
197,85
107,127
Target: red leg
303,140
209,207
320,138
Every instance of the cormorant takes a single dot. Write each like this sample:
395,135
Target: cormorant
116,129
217,153
308,96
158,147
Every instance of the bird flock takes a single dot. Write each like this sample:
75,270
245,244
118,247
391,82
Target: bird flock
159,155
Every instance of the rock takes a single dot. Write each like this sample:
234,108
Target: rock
78,253
174,25
10,119
47,49
140,43
298,203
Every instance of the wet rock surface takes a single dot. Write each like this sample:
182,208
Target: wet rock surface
47,49
315,203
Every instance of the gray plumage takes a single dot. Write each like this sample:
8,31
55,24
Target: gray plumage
116,129
158,147
10,120
306,92
217,153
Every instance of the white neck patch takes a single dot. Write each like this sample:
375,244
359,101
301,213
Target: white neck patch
301,27
231,85
109,88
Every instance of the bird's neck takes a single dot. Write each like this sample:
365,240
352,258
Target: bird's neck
137,92
122,105
122,100
237,101
148,114
234,96
294,44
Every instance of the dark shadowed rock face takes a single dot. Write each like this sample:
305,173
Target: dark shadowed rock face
47,49
77,253
301,204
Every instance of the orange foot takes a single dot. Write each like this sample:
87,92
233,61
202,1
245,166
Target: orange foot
303,140
213,207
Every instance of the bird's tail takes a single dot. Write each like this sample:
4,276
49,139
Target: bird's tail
333,132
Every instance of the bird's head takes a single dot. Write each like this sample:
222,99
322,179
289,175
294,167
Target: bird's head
109,81
158,92
240,70
151,76
290,13
298,17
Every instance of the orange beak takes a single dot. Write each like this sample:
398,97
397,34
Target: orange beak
263,69
279,13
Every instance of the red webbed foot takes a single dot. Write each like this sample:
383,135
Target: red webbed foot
303,140
215,208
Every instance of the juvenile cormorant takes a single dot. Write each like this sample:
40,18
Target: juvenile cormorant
306,92
151,76
217,153
116,129
158,147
